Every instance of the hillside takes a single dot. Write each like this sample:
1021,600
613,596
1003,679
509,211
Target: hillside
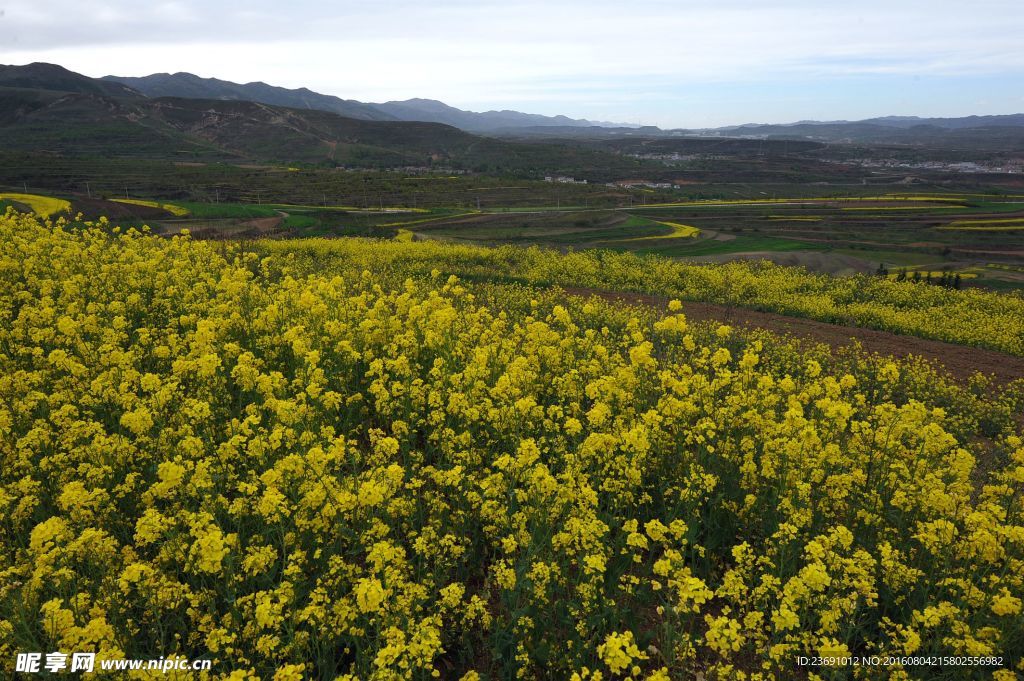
484,122
51,77
194,87
41,120
422,110
977,132
90,123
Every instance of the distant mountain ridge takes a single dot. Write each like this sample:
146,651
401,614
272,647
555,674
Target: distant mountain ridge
51,77
485,121
902,122
39,86
993,133
424,110
190,86
47,109
1006,120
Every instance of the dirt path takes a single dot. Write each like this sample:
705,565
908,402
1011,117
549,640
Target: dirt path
262,225
225,228
961,361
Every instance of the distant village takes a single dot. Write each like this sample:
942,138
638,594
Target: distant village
1009,166
618,184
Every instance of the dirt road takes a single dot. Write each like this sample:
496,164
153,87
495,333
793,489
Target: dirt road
961,361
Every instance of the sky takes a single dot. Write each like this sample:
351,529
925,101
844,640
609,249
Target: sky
670,63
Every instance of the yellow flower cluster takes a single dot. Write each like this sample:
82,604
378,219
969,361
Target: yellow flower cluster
177,211
968,317
345,473
46,206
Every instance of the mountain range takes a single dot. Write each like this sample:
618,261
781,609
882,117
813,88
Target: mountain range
983,133
425,110
47,107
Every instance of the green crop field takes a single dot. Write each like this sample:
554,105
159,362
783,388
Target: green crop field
852,228
741,244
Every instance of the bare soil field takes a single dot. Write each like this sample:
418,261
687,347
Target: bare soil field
92,209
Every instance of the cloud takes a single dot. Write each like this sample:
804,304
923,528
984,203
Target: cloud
489,53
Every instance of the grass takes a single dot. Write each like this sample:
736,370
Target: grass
46,206
608,229
960,202
1003,285
998,206
421,221
227,210
741,244
545,209
346,209
299,222
634,228
893,258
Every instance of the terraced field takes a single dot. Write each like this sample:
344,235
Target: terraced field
839,236
954,233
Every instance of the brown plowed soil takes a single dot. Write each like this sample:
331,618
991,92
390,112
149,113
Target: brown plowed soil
227,228
91,209
960,360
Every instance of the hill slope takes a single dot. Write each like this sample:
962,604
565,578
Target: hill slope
983,132
487,121
192,86
79,123
51,77
423,110
169,126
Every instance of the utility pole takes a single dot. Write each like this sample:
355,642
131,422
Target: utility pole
126,191
88,191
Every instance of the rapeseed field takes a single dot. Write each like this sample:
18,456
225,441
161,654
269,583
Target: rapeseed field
312,461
